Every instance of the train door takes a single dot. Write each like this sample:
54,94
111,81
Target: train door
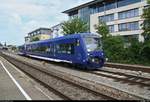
79,51
50,51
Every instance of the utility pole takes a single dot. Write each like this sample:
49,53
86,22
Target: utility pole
5,44
104,11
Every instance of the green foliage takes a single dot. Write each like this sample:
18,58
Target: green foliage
114,48
145,50
14,48
119,51
102,29
136,53
133,52
73,26
146,23
35,39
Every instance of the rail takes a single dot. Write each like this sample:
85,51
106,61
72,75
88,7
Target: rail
35,73
145,69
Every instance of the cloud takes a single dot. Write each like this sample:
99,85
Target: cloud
18,17
32,25
21,8
15,19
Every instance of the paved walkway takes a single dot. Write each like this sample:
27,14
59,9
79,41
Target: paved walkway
8,89
15,85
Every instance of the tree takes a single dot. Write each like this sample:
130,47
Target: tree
113,45
146,23
114,48
133,51
14,48
144,51
73,26
35,39
102,29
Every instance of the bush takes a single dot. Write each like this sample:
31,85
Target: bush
35,39
133,52
114,48
136,53
145,53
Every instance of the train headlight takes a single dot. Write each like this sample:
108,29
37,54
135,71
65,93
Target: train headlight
95,60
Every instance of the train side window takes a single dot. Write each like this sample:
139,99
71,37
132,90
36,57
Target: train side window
77,42
42,48
49,49
29,48
65,48
72,49
58,49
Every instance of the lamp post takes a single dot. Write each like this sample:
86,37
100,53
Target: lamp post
104,10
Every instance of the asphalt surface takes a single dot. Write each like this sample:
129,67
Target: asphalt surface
15,85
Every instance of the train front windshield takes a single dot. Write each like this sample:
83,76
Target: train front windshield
93,44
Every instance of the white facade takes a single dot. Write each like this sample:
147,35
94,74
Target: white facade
94,19
57,30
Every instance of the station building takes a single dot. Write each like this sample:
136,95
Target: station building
123,17
40,34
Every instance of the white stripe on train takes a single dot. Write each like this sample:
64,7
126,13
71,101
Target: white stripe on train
49,59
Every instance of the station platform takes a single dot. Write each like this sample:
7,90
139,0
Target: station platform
15,85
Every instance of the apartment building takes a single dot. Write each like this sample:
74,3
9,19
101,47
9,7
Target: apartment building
40,34
123,17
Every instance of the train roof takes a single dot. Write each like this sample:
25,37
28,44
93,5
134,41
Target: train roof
64,37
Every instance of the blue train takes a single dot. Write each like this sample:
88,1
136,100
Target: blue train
84,49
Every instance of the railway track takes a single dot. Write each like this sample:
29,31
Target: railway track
123,77
65,89
118,76
112,93
144,69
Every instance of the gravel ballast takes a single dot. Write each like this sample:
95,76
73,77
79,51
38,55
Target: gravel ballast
99,83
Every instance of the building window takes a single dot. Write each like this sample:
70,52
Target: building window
107,18
38,32
128,14
111,28
128,38
34,33
129,26
102,6
84,14
109,6
96,8
127,2
73,16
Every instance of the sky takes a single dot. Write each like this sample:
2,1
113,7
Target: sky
19,17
